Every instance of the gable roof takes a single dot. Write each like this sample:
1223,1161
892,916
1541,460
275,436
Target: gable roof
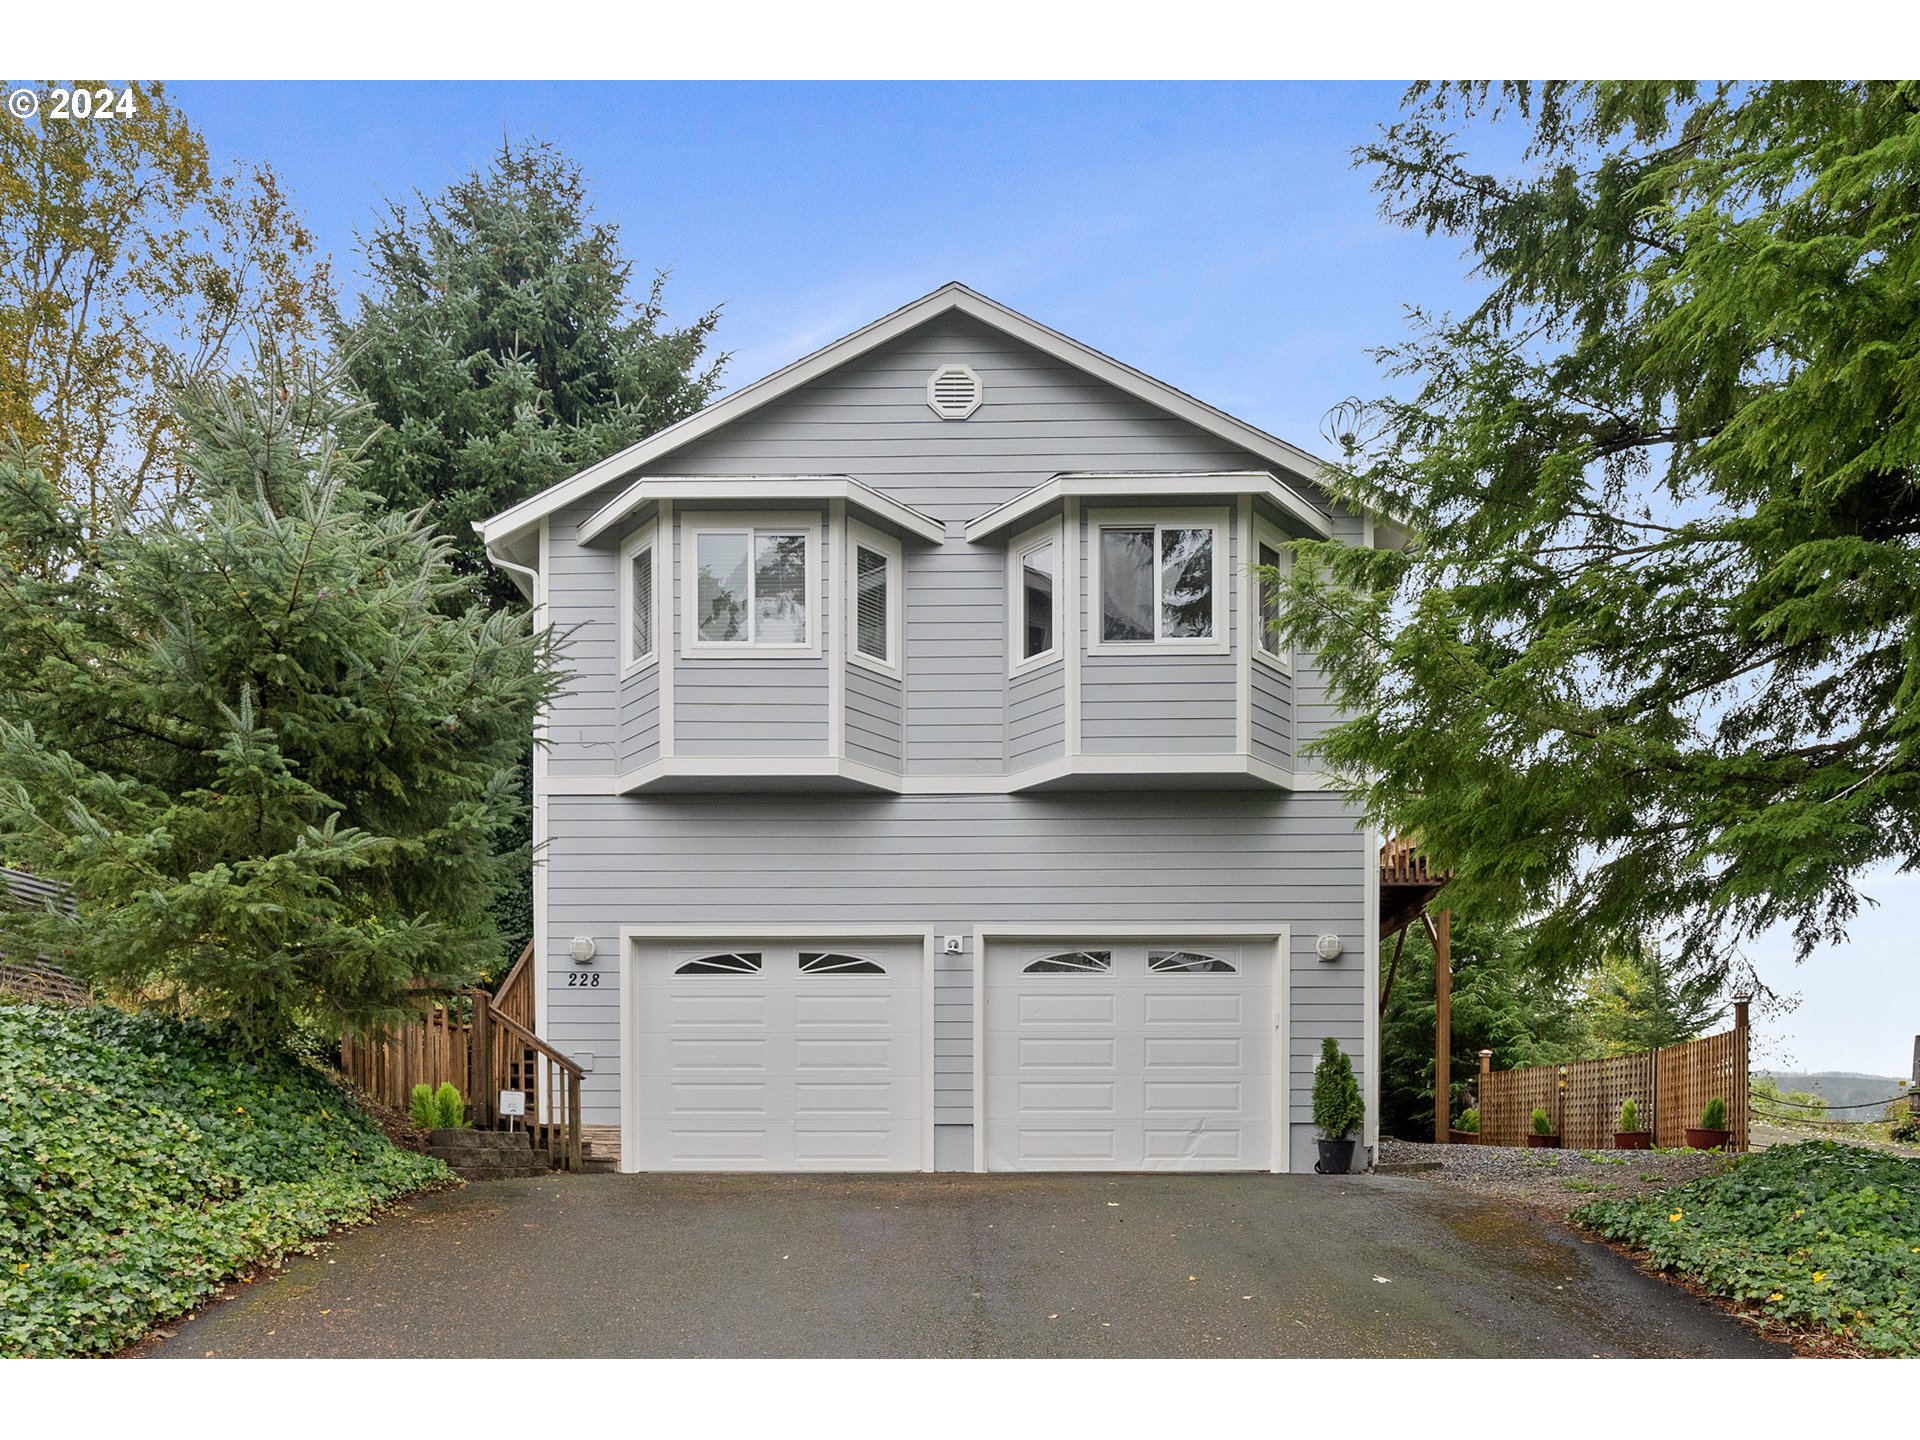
950,297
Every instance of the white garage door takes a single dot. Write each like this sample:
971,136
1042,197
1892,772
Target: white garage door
1130,1056
778,1057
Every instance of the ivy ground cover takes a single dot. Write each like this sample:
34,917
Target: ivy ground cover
1819,1235
144,1163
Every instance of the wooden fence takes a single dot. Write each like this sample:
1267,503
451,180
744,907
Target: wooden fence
1668,1087
481,1044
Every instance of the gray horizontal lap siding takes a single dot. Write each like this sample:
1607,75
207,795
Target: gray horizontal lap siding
1272,714
588,720
1037,716
946,864
874,715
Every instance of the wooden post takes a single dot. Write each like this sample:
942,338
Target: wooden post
1440,932
480,1061
1480,1094
1738,1101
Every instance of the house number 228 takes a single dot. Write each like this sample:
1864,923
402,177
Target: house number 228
588,981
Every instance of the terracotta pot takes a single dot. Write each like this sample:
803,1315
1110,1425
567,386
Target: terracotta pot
1633,1139
1707,1139
1463,1137
1543,1142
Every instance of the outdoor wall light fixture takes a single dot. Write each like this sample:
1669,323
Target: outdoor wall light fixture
1328,947
581,949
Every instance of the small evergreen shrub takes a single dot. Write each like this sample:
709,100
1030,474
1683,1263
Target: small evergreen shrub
1629,1115
449,1110
1714,1116
421,1109
1542,1122
1337,1106
1469,1121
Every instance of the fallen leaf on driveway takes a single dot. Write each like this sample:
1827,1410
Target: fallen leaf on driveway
1381,1280
1113,1204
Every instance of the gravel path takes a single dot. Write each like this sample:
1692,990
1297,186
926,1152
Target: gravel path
1554,1182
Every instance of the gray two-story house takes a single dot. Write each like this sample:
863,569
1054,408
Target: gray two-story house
926,792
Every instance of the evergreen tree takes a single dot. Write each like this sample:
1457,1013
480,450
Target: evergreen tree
269,736
1652,663
1500,1001
1637,999
500,348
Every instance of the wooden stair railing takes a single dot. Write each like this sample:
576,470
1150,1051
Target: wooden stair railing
504,1054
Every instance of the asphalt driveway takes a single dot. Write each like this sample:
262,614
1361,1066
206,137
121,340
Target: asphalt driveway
959,1265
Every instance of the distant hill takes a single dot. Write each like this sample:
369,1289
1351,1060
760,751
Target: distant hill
1840,1087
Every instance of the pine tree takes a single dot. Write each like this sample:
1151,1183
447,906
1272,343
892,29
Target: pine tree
269,737
1651,663
500,348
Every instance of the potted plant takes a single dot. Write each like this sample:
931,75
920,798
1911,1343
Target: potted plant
1542,1137
1630,1136
1712,1132
1466,1130
1337,1108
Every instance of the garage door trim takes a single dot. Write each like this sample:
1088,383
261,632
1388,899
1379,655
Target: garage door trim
1279,936
633,937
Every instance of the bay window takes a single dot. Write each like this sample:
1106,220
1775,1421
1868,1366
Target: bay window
750,586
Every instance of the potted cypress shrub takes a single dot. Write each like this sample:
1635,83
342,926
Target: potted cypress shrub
1630,1136
1337,1108
1712,1132
1466,1130
1542,1137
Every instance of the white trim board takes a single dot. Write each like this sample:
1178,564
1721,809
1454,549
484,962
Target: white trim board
952,297
1163,487
784,488
1135,768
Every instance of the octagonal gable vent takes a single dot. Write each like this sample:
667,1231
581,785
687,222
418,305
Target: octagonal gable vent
954,392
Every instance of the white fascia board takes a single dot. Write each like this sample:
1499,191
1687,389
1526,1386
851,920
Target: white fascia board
1146,485
952,296
764,487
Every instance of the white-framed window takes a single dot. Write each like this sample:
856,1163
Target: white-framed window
1036,606
876,603
1269,552
1159,581
750,583
641,604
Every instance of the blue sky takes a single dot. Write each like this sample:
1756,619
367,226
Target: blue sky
1213,235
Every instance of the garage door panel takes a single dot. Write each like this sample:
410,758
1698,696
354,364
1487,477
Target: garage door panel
1204,1149
1194,1097
715,1009
687,1056
1057,1149
1054,1008
1179,1061
1059,1052
843,1012
1224,1052
718,1099
809,1055
773,1068
1187,1008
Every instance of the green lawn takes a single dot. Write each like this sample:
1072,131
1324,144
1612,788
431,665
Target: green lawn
143,1165
1820,1235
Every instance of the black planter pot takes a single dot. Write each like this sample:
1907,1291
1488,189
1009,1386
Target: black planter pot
1336,1157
